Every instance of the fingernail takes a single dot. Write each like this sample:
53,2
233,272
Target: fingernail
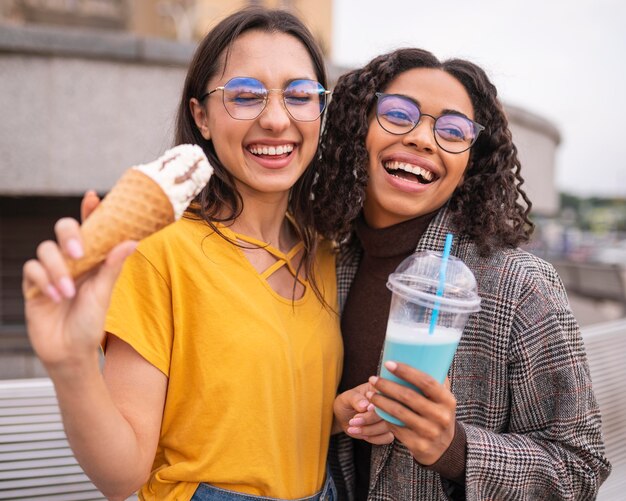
67,287
53,293
373,379
356,421
363,403
371,407
354,430
369,394
392,366
74,248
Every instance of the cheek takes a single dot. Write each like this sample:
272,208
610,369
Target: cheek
457,166
310,138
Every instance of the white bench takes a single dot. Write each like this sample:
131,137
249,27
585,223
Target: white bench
36,462
605,345
594,280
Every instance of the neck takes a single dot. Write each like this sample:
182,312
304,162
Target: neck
264,218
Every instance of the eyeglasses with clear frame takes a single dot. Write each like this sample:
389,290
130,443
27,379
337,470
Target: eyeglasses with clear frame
245,98
398,114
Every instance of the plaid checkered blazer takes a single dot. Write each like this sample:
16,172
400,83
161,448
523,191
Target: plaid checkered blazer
523,391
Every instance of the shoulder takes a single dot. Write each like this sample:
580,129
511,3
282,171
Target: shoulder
183,241
512,274
510,263
180,232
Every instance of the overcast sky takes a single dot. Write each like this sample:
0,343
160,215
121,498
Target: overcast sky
564,60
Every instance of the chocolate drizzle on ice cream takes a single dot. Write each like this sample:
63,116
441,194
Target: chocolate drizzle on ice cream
181,173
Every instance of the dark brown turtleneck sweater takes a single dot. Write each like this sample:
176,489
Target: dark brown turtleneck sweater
364,323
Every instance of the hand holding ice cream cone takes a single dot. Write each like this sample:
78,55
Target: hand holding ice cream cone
145,199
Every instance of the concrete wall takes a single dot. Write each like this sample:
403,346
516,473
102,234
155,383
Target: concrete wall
78,107
537,141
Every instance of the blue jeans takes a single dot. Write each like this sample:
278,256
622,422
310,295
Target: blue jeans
206,492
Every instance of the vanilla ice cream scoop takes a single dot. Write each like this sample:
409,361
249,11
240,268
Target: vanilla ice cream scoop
181,173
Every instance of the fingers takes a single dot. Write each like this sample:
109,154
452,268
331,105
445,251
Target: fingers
385,438
356,398
48,273
88,204
429,386
35,281
371,427
68,235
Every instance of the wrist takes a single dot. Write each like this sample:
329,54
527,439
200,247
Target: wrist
451,464
75,370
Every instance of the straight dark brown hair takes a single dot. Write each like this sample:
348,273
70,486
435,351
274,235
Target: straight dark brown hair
220,196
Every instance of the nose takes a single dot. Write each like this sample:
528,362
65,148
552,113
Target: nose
422,136
274,117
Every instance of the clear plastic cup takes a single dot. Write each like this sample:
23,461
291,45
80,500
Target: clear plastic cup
424,328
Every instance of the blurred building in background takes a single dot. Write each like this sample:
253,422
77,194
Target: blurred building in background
182,20
90,87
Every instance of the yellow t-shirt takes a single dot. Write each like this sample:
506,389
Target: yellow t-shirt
252,375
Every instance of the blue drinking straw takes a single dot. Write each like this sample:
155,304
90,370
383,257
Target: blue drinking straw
442,281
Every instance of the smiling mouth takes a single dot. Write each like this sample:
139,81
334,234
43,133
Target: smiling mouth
265,151
409,172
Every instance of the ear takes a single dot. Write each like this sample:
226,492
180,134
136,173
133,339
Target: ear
200,116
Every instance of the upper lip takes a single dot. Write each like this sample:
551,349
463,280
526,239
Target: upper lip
270,142
413,160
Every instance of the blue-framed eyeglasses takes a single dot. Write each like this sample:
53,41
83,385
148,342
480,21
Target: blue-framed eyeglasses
399,114
245,98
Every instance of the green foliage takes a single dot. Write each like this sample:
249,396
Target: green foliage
595,214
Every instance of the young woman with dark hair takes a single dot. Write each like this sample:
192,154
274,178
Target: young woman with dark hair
223,351
414,149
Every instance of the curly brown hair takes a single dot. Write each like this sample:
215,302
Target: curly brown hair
485,206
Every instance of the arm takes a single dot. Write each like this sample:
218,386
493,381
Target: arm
112,422
553,443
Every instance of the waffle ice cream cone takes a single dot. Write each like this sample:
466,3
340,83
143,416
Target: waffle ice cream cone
145,199
133,210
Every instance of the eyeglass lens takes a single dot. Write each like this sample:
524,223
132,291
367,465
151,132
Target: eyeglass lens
399,115
245,98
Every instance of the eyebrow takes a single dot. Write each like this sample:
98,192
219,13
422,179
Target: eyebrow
454,112
445,111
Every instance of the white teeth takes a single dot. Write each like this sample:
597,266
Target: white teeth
270,150
413,169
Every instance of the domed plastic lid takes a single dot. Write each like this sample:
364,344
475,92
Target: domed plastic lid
417,280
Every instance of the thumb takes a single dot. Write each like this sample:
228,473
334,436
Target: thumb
112,267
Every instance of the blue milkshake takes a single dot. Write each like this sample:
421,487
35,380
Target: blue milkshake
433,297
414,346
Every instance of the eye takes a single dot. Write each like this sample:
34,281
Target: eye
298,97
454,128
397,116
245,98
300,92
397,110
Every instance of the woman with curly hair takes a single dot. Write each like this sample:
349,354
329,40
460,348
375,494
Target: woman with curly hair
413,149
